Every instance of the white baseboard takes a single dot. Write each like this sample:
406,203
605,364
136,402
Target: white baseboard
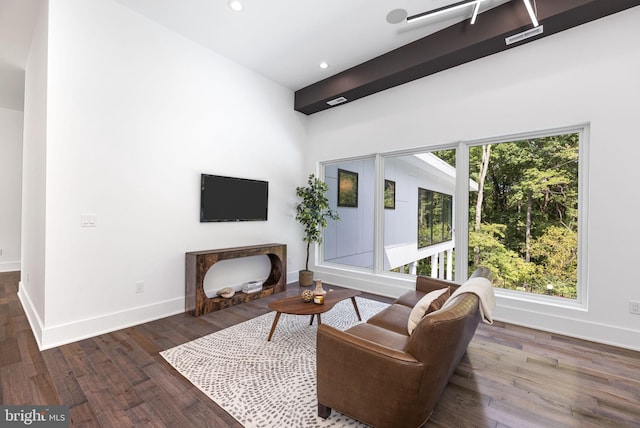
51,336
10,266
581,329
32,315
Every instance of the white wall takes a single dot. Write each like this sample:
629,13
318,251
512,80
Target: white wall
588,74
350,240
135,114
11,87
10,188
32,287
401,224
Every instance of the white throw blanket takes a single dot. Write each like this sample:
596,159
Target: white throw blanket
482,288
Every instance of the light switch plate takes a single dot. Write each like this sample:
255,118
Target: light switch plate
88,220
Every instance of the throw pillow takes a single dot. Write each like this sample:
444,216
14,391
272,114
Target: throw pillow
439,301
423,307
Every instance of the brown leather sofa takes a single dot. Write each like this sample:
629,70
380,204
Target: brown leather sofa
378,374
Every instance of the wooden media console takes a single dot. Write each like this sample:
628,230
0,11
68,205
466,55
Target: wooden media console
199,262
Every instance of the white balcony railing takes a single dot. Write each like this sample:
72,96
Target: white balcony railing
407,254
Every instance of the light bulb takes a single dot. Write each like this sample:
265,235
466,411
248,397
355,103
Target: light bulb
235,5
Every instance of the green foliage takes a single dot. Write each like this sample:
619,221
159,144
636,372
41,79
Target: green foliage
508,268
528,236
389,194
313,211
448,155
557,251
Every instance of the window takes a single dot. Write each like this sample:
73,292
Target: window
523,219
350,241
512,205
434,217
418,230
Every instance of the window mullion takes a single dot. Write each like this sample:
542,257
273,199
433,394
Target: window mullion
378,240
461,212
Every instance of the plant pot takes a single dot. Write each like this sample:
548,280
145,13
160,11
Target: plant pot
305,278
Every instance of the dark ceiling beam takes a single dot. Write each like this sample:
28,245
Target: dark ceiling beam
455,45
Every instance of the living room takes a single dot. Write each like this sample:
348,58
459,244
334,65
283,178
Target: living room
121,122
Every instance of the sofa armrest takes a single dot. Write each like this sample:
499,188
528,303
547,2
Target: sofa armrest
363,379
329,336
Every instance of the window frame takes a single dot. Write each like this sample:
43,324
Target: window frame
581,300
460,213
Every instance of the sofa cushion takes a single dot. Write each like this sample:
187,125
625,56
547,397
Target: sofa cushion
392,318
431,301
439,302
410,298
380,335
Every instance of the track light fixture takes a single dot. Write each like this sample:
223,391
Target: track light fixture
476,9
393,16
534,19
442,10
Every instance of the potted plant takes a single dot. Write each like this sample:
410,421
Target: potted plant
313,212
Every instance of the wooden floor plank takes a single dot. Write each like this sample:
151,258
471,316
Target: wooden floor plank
510,377
123,359
64,377
142,337
16,386
82,415
9,351
143,415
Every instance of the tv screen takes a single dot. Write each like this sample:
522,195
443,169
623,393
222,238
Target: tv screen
233,199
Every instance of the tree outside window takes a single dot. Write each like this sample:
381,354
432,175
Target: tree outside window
524,217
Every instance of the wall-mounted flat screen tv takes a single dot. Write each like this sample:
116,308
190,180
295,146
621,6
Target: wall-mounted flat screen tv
233,199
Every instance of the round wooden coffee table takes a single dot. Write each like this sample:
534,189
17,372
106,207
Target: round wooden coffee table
295,306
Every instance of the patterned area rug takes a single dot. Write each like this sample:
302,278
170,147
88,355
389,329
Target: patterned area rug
266,384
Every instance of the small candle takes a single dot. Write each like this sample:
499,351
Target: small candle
318,299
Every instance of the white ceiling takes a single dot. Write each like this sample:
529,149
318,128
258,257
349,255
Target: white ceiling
284,40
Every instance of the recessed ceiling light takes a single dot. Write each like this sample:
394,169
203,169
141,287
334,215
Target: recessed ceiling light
235,5
324,65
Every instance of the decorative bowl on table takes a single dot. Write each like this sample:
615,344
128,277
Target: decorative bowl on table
307,296
227,292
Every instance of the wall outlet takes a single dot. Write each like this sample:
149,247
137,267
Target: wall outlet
634,307
88,220
139,286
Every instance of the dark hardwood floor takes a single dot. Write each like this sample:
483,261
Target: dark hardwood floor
510,377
